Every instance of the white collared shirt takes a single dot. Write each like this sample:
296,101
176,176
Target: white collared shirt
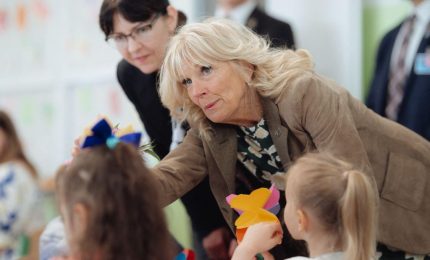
422,12
239,14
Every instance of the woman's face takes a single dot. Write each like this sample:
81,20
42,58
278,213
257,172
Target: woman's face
221,92
147,55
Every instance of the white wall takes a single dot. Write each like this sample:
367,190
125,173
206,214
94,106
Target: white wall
331,31
189,7
56,74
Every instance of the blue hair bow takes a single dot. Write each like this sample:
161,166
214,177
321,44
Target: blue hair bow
102,134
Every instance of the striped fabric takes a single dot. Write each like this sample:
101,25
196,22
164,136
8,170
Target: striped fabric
398,73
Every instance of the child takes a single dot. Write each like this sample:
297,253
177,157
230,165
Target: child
109,204
330,205
19,194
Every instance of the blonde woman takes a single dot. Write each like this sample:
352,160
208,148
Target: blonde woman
330,205
253,110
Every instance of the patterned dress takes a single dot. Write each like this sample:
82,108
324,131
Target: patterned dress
19,209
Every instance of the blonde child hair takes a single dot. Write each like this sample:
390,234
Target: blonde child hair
341,198
330,205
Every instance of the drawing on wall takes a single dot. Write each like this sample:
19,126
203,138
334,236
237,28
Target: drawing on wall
100,98
3,20
84,39
24,27
36,118
56,75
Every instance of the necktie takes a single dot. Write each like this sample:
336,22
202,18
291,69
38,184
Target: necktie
398,73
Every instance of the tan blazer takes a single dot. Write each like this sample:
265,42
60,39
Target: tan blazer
316,114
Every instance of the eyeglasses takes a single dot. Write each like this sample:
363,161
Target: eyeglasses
140,33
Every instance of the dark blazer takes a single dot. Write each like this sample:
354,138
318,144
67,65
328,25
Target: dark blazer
141,90
414,111
280,33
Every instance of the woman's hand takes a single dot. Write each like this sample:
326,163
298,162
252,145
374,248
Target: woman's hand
76,147
87,131
258,238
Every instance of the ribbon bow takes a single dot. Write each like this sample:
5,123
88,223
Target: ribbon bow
102,134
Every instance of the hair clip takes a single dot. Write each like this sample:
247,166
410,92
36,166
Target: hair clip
102,133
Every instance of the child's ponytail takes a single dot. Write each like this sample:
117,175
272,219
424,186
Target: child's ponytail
342,198
357,209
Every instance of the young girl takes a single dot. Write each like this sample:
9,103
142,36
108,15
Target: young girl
330,205
19,194
109,204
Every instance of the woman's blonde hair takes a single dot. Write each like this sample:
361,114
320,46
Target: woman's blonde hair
220,40
341,197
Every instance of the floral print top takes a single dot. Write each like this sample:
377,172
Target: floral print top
257,153
19,198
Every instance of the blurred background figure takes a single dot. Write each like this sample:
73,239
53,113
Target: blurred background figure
247,12
19,196
400,89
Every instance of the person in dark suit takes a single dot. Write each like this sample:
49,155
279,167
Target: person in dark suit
400,89
140,30
247,12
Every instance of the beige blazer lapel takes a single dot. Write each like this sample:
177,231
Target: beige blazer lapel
278,132
223,146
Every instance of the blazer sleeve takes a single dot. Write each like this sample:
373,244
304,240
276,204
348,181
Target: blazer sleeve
182,169
321,111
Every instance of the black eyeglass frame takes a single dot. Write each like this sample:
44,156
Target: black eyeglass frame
132,34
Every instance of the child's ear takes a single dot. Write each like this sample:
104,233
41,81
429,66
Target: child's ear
172,18
80,217
303,220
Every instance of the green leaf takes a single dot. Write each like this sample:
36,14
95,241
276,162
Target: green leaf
149,149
